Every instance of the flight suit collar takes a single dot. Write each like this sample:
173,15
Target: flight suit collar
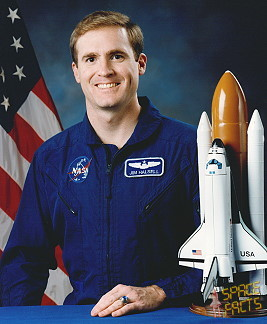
148,123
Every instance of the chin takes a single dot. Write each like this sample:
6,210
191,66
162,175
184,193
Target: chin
108,105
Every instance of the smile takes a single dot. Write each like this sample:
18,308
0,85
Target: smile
107,85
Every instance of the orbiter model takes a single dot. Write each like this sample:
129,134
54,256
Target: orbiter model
231,184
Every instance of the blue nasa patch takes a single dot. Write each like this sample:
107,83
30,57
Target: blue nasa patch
144,167
78,169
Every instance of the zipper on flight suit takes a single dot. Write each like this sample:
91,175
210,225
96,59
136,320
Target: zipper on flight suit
153,202
63,199
109,172
108,197
67,204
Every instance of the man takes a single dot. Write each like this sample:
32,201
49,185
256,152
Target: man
118,191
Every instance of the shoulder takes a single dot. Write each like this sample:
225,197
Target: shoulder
169,129
178,131
59,142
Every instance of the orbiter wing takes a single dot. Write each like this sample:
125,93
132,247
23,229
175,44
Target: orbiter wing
249,252
192,252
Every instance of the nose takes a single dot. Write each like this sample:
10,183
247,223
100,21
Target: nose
105,68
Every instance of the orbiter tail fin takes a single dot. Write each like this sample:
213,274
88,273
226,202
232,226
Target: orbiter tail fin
211,280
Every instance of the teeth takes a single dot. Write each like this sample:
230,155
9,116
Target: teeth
107,85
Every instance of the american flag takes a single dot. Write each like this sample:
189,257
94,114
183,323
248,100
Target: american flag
196,252
28,117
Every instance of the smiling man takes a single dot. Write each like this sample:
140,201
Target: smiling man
118,191
108,71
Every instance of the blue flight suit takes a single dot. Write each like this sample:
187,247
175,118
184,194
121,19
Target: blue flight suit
119,216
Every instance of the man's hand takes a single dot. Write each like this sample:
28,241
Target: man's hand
140,300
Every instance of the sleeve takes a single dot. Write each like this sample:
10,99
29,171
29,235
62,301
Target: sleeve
29,253
182,290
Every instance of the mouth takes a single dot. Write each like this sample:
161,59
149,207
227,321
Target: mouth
107,85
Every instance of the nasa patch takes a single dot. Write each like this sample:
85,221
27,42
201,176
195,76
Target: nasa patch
144,167
78,169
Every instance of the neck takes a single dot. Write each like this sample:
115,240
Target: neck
114,126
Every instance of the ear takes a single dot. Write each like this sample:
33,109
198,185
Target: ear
75,72
142,63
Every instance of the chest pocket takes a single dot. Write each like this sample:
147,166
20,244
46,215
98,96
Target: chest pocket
64,205
169,196
151,201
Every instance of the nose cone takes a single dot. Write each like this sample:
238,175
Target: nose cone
229,113
217,142
204,123
229,102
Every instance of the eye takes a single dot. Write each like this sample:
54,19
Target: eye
90,59
117,57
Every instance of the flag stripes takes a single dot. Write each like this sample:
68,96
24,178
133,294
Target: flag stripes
47,301
11,161
12,181
58,254
36,113
6,224
15,159
41,91
20,133
57,278
9,203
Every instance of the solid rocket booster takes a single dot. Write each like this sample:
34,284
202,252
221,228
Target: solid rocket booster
256,187
203,144
229,123
256,174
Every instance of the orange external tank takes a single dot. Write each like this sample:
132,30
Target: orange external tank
230,123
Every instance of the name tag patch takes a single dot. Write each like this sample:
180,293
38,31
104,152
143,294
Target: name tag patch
144,167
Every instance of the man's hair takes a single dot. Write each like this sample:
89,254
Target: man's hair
100,19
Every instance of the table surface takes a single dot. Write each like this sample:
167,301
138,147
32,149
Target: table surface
81,314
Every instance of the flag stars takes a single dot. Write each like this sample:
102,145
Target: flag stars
16,43
19,72
13,15
5,103
2,74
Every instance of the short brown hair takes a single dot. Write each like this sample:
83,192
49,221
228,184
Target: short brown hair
100,19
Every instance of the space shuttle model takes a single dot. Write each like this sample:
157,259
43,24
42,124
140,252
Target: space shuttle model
231,185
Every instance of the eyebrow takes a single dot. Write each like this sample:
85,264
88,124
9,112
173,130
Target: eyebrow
117,52
85,56
111,52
